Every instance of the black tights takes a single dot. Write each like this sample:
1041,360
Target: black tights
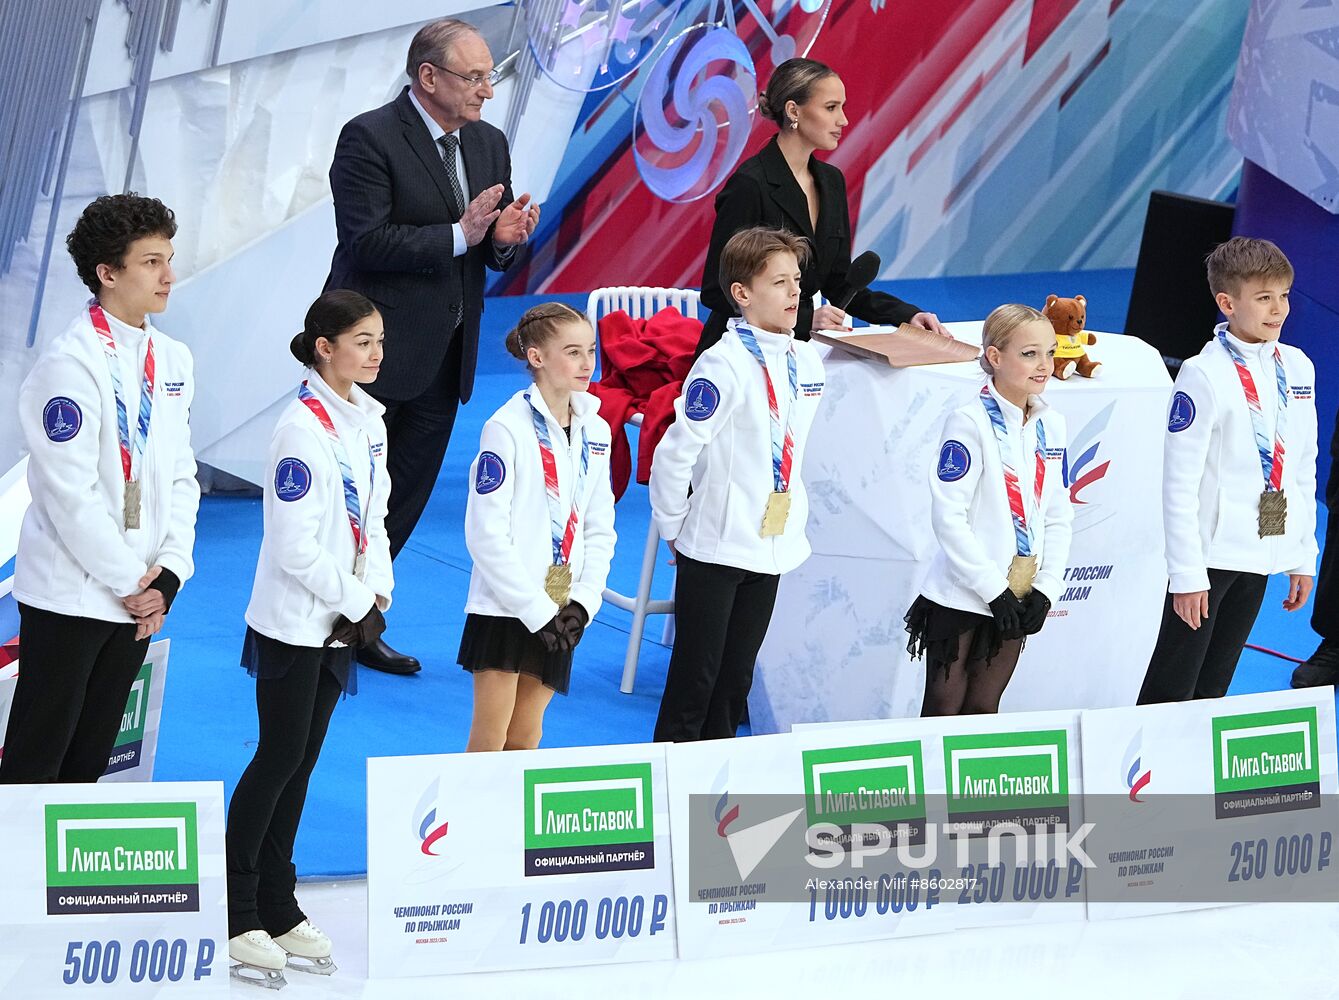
969,687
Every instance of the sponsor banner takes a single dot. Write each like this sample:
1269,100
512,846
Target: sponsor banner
118,886
750,875
1000,808
1212,802
132,756
481,862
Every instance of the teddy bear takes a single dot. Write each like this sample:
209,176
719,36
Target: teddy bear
1067,317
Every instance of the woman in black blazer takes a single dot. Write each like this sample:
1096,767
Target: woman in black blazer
784,185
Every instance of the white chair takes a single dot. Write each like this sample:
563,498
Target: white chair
640,303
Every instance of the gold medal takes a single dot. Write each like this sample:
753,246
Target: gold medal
1273,514
775,514
558,584
1022,571
131,504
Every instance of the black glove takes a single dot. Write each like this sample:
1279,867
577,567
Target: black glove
1035,606
371,626
166,583
344,631
1008,612
554,636
573,619
363,632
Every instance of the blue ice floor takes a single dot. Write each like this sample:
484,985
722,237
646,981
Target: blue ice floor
209,720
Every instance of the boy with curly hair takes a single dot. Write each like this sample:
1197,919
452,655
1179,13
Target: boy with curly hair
107,539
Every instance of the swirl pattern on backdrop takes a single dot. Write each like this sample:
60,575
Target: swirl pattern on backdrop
694,114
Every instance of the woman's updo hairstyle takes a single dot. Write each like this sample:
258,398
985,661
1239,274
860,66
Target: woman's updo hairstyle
793,80
538,325
1001,325
329,316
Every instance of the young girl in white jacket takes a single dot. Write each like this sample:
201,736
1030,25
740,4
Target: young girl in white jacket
1002,517
539,525
322,583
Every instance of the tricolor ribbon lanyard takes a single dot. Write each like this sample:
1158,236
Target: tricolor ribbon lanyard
351,507
783,444
129,451
562,533
1023,535
1271,459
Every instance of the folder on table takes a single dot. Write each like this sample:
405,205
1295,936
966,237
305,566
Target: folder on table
903,347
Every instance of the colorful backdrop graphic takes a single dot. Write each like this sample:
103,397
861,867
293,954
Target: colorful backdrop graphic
986,136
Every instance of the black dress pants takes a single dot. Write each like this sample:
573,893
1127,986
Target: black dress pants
266,805
1199,663
74,679
417,433
1325,600
721,617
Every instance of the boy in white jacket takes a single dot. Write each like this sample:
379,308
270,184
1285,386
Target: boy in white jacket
107,539
738,442
1239,478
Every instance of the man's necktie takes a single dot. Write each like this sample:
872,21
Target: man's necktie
448,144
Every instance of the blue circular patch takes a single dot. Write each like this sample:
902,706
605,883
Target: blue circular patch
62,418
1182,413
700,399
292,479
489,473
954,461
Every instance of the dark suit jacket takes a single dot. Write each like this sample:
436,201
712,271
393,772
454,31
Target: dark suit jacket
393,219
763,192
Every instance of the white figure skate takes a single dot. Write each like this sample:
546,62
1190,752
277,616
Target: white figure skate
260,961
308,949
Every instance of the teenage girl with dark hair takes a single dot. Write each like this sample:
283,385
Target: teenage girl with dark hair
322,583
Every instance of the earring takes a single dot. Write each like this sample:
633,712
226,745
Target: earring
794,123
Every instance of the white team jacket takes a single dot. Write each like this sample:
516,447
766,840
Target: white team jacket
970,509
75,556
304,577
1212,478
507,515
721,444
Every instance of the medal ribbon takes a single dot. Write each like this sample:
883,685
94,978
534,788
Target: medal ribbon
563,535
1271,460
783,446
128,453
1022,530
310,400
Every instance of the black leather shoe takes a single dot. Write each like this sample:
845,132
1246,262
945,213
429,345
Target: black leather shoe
380,656
1321,669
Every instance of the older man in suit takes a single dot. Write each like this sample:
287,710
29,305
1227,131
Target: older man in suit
423,203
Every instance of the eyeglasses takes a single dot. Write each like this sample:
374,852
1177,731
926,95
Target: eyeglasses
491,78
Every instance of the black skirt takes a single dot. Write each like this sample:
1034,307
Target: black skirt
497,643
269,659
935,630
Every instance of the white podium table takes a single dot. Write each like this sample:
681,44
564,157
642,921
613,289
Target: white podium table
836,648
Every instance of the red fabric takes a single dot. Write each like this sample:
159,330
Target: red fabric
643,363
9,652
